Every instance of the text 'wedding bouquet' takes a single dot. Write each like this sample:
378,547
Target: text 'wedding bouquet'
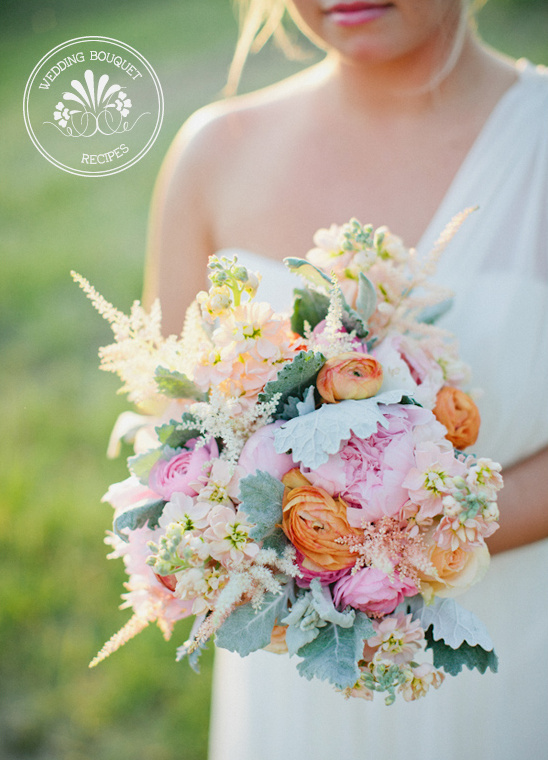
299,483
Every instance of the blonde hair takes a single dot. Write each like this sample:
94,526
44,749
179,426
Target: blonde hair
260,20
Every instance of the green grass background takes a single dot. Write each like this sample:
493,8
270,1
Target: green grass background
58,594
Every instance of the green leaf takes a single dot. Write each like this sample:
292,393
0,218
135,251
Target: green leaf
309,272
308,306
262,496
141,464
175,436
294,406
366,300
333,655
247,629
452,660
176,385
294,378
431,314
148,513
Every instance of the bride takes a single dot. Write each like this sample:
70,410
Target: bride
407,120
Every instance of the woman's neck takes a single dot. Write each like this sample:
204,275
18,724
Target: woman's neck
414,85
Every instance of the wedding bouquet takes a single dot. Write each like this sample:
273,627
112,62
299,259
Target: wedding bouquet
299,482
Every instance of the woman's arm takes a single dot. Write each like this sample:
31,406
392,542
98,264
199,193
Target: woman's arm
523,504
180,233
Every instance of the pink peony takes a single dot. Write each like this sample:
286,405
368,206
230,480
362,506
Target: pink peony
372,591
259,454
180,473
368,473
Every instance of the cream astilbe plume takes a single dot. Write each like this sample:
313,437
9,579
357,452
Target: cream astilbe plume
139,346
134,626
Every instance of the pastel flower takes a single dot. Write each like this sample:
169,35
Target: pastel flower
484,477
407,366
277,640
454,532
259,454
351,375
419,680
253,328
456,570
178,473
372,591
314,522
430,480
369,473
149,596
397,638
228,537
309,570
459,414
184,510
128,493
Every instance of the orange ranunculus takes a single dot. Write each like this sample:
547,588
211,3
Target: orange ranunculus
456,410
313,521
349,375
277,640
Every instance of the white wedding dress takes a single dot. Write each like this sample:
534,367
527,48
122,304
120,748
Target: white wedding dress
497,265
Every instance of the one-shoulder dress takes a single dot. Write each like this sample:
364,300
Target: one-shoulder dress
497,267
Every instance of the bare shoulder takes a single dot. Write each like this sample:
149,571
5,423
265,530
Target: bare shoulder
208,139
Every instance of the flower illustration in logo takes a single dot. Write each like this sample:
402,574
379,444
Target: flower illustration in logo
123,103
62,114
98,107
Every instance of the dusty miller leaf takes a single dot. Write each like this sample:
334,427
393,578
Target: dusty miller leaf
176,385
296,407
262,496
309,272
147,513
323,604
313,437
247,629
452,660
333,655
431,314
451,623
366,300
294,378
277,541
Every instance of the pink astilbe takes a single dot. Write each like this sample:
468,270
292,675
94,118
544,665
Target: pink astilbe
390,546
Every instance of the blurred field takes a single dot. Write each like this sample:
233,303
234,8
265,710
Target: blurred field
58,595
